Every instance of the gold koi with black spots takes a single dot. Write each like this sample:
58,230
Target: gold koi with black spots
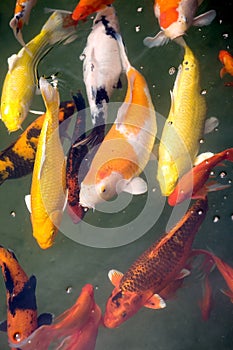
17,160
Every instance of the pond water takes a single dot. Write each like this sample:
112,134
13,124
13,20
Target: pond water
71,263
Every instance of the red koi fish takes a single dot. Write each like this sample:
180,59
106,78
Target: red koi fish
227,60
87,7
21,300
22,13
158,266
192,184
18,159
175,17
69,330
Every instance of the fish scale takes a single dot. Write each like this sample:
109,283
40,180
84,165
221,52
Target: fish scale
159,264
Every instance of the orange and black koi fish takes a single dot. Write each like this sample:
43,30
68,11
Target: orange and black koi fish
76,167
21,300
17,160
158,266
192,184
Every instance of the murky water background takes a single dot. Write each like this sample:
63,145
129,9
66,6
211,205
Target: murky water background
67,266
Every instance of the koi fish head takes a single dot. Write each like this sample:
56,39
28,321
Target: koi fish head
103,190
120,306
12,124
223,54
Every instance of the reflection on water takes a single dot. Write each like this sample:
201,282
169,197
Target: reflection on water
67,266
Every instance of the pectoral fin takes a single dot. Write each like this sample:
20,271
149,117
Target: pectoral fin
204,19
158,40
135,186
27,199
115,277
155,302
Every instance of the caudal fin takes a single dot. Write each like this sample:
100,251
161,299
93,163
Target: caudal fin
60,27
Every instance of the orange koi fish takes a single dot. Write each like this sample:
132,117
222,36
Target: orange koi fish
126,148
227,60
175,17
87,7
22,13
157,267
18,159
192,184
71,329
21,300
47,199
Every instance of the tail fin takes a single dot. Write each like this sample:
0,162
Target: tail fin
229,154
60,27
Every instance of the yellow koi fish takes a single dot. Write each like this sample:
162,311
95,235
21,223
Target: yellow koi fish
126,148
47,198
184,126
20,81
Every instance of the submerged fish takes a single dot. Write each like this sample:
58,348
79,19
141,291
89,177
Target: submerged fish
18,159
20,82
192,184
227,60
47,199
74,329
175,17
184,126
99,76
21,300
87,7
126,148
157,267
22,13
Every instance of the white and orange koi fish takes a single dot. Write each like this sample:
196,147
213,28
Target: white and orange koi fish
126,148
22,13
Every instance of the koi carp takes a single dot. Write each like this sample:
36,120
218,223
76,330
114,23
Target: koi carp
184,126
18,159
99,77
87,7
21,300
126,148
175,17
20,82
192,184
154,270
47,199
22,13
74,329
227,60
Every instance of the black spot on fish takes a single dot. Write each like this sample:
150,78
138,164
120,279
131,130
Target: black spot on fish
25,299
115,299
9,283
108,29
101,95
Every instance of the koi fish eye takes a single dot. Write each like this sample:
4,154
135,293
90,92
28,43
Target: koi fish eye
124,314
17,336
